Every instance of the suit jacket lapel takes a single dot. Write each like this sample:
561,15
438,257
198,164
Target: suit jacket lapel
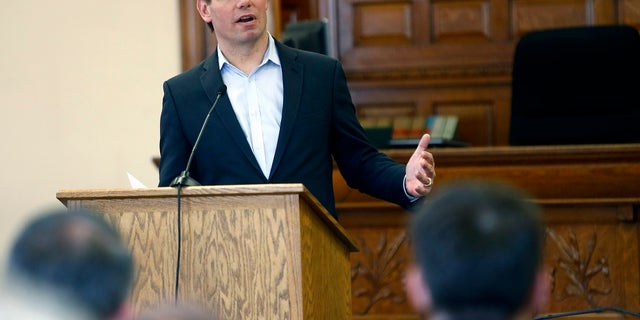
292,77
211,80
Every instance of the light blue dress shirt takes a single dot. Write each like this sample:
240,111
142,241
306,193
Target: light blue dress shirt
257,102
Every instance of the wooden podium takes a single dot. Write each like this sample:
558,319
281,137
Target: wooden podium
244,251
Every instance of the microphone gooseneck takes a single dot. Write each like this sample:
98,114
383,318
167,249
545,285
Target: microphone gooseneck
184,179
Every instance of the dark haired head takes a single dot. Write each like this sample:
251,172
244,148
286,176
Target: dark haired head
76,254
479,248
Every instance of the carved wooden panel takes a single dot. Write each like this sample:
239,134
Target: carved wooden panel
377,271
589,258
592,259
579,272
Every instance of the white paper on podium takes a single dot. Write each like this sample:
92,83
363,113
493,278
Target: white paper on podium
134,182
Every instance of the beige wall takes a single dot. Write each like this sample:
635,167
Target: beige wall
81,92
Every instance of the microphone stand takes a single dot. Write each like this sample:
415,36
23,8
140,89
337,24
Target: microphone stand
184,179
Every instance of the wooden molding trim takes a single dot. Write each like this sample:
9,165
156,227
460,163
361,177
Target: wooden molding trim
458,73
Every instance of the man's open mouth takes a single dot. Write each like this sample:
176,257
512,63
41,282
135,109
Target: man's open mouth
246,19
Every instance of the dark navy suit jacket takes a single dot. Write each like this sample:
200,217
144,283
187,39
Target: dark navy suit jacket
319,124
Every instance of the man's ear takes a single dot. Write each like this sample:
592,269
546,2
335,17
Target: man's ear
125,312
417,290
541,290
204,10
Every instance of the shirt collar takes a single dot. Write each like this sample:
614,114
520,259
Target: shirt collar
270,55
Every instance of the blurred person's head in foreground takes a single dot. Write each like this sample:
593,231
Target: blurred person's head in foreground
478,254
75,256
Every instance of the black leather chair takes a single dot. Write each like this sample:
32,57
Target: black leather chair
576,85
310,35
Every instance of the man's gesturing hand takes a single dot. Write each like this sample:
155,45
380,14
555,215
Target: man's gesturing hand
421,169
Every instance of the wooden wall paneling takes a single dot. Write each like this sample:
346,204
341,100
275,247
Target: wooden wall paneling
530,15
197,40
393,23
500,15
629,12
458,33
296,10
468,21
191,34
276,21
483,111
476,120
327,9
469,44
428,22
606,11
375,23
344,10
443,33
457,50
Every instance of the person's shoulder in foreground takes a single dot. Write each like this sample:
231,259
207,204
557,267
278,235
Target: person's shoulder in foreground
76,257
478,253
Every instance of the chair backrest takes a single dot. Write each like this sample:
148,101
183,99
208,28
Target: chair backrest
309,35
577,85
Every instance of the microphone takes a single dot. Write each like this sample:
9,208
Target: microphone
184,179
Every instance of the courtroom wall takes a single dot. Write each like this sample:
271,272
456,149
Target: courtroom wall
81,88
